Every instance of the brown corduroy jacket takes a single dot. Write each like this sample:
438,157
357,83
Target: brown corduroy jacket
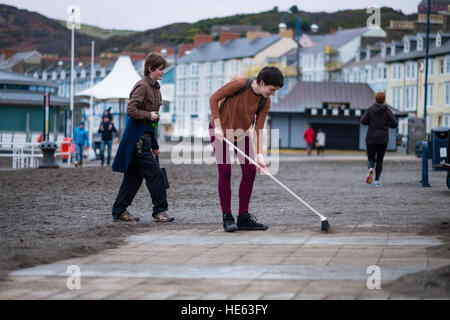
144,99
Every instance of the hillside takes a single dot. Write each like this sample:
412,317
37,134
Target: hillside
24,30
97,32
184,32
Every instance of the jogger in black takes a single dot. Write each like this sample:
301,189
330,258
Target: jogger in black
379,118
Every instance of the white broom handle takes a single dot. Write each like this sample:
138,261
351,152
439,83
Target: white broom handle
275,179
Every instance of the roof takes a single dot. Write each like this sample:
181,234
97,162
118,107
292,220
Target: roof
335,40
363,62
117,84
236,28
232,49
15,59
414,55
20,97
17,78
314,94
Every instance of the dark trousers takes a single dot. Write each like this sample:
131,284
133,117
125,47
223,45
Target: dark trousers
375,154
143,165
320,150
103,145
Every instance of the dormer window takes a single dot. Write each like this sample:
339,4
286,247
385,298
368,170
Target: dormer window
438,40
393,49
407,46
419,44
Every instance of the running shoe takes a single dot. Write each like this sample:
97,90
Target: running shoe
370,175
377,184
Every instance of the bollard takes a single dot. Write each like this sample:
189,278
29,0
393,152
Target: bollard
424,181
48,151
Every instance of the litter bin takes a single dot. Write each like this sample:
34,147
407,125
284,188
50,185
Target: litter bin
439,146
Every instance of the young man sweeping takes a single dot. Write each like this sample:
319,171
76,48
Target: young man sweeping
234,109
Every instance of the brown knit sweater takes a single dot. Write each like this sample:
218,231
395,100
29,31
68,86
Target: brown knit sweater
239,111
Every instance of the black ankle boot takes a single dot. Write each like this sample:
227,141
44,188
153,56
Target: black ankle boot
247,221
228,223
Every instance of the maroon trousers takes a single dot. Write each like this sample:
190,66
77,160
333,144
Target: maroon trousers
222,153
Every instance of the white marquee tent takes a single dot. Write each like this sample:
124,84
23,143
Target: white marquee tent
117,84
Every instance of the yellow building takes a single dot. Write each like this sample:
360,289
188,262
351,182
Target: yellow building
406,80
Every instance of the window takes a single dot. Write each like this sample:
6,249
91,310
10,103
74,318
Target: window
411,70
209,70
447,94
447,121
220,67
397,98
182,87
430,67
420,44
194,86
218,83
441,66
194,70
438,41
430,96
194,106
235,66
447,64
396,71
410,98
208,86
406,46
182,70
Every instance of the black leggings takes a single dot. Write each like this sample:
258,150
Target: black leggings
375,154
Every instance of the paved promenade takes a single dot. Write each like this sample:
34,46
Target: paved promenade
285,262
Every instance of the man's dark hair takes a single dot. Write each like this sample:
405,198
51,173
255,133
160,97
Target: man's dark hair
271,76
154,61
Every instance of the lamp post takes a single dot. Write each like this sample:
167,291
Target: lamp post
427,48
297,39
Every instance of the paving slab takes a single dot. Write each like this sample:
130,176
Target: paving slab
279,264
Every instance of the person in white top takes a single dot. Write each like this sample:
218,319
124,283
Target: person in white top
320,144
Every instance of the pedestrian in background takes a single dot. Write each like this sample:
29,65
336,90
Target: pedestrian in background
106,130
309,135
379,118
81,139
320,142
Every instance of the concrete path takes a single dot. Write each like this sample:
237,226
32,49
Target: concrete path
206,263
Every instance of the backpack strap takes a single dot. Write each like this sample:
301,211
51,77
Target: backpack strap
240,91
262,101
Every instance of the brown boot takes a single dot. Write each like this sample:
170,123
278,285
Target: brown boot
127,217
163,217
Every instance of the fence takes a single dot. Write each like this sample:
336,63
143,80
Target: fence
25,155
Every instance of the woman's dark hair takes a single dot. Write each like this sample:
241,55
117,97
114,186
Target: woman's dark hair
154,61
271,76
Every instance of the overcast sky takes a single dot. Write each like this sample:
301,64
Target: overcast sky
142,15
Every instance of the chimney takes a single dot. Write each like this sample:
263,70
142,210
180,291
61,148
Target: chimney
252,35
8,53
225,36
202,38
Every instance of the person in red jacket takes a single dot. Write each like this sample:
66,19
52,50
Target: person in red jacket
309,136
